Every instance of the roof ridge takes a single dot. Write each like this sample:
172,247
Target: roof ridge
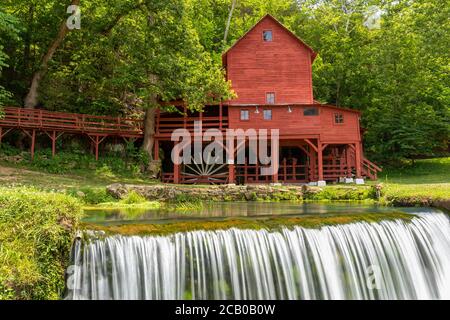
268,15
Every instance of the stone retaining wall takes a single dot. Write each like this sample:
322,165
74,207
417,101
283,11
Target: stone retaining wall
214,193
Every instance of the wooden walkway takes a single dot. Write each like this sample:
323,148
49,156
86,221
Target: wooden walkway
55,124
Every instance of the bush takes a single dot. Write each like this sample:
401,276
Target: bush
342,193
110,165
36,233
90,195
133,197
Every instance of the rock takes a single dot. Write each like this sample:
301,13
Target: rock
442,204
154,169
117,190
81,194
311,189
215,193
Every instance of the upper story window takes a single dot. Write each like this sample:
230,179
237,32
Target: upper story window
311,111
267,36
270,97
245,115
338,118
267,114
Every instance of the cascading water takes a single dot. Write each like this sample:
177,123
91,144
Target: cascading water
385,260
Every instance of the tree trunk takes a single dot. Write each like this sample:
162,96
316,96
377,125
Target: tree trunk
31,100
227,27
149,131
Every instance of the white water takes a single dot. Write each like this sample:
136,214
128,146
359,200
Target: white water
385,260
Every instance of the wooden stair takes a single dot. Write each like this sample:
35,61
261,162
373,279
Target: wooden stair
370,169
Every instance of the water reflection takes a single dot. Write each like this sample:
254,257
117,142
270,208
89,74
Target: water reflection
239,209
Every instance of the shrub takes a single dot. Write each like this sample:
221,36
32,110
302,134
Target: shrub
74,160
90,195
36,232
342,193
133,197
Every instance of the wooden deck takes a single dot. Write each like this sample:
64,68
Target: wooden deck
55,124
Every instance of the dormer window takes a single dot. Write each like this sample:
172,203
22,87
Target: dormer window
270,97
267,36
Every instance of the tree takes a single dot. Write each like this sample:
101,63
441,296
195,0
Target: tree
31,100
8,29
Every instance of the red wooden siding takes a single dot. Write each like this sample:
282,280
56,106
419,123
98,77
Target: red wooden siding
296,123
337,133
282,66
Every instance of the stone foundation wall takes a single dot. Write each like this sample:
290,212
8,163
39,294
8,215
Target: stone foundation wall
213,193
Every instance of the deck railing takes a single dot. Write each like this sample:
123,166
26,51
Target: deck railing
69,122
165,126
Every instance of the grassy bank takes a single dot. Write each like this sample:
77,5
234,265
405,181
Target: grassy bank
36,233
417,183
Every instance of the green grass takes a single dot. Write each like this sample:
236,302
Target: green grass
36,233
429,171
423,180
15,174
132,200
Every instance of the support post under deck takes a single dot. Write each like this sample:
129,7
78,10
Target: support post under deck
358,160
176,167
320,159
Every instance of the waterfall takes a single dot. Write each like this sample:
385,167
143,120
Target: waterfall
384,260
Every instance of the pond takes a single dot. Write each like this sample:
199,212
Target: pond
221,210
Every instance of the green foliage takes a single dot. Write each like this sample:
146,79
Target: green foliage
9,31
36,232
426,171
64,162
133,198
128,54
187,202
91,195
340,193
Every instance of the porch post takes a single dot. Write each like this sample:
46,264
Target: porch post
33,141
53,143
176,169
320,159
312,165
349,161
231,178
220,115
231,173
276,155
358,160
96,147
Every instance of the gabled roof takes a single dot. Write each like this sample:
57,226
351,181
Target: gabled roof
268,16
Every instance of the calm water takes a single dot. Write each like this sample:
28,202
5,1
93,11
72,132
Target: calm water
239,209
